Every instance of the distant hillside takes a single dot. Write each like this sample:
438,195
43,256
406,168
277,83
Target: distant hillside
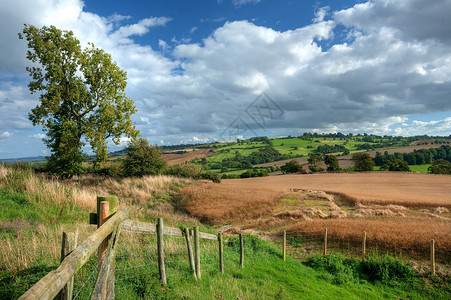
23,159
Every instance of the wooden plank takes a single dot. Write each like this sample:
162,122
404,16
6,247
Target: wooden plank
100,289
137,226
103,213
197,251
190,252
325,242
433,257
284,245
49,286
364,247
221,253
69,243
241,250
160,246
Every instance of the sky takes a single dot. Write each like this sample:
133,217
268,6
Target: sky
217,70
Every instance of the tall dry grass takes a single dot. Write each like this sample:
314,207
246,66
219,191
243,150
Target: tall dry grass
24,244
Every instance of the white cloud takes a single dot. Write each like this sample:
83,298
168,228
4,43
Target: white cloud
5,134
394,60
239,3
320,14
39,136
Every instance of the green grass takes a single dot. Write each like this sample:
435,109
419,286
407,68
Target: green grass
420,168
20,206
264,276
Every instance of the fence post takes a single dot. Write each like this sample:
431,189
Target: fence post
160,246
190,252
221,253
68,245
103,214
241,250
433,257
197,251
284,246
364,247
325,242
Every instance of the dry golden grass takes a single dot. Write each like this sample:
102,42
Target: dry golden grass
218,203
408,189
23,244
275,203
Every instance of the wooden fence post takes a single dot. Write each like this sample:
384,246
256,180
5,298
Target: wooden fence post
68,245
284,246
221,253
241,250
325,242
103,214
160,246
190,252
364,247
104,288
197,251
433,257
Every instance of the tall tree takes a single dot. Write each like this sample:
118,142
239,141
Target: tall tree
331,162
362,162
82,97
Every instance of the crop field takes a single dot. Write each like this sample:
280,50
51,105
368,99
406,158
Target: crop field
393,208
174,159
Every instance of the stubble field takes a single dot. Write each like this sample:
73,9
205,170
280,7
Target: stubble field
403,209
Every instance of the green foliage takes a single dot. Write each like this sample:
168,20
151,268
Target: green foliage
185,170
362,162
380,268
82,94
331,162
143,159
211,176
291,167
13,285
440,166
314,159
254,173
398,165
327,148
386,269
344,270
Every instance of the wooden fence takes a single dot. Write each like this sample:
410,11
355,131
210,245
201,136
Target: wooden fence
110,222
60,282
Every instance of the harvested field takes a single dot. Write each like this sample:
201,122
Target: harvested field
394,208
175,159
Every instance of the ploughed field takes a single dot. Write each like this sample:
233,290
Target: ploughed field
403,209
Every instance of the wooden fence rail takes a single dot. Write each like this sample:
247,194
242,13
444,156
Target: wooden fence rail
50,285
103,240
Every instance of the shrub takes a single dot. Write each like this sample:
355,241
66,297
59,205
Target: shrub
291,167
185,170
143,159
343,269
385,268
211,176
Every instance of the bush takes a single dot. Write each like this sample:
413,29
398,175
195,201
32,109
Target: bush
291,167
143,159
211,176
385,268
440,166
185,170
343,269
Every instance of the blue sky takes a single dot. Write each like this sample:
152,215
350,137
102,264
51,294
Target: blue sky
202,71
